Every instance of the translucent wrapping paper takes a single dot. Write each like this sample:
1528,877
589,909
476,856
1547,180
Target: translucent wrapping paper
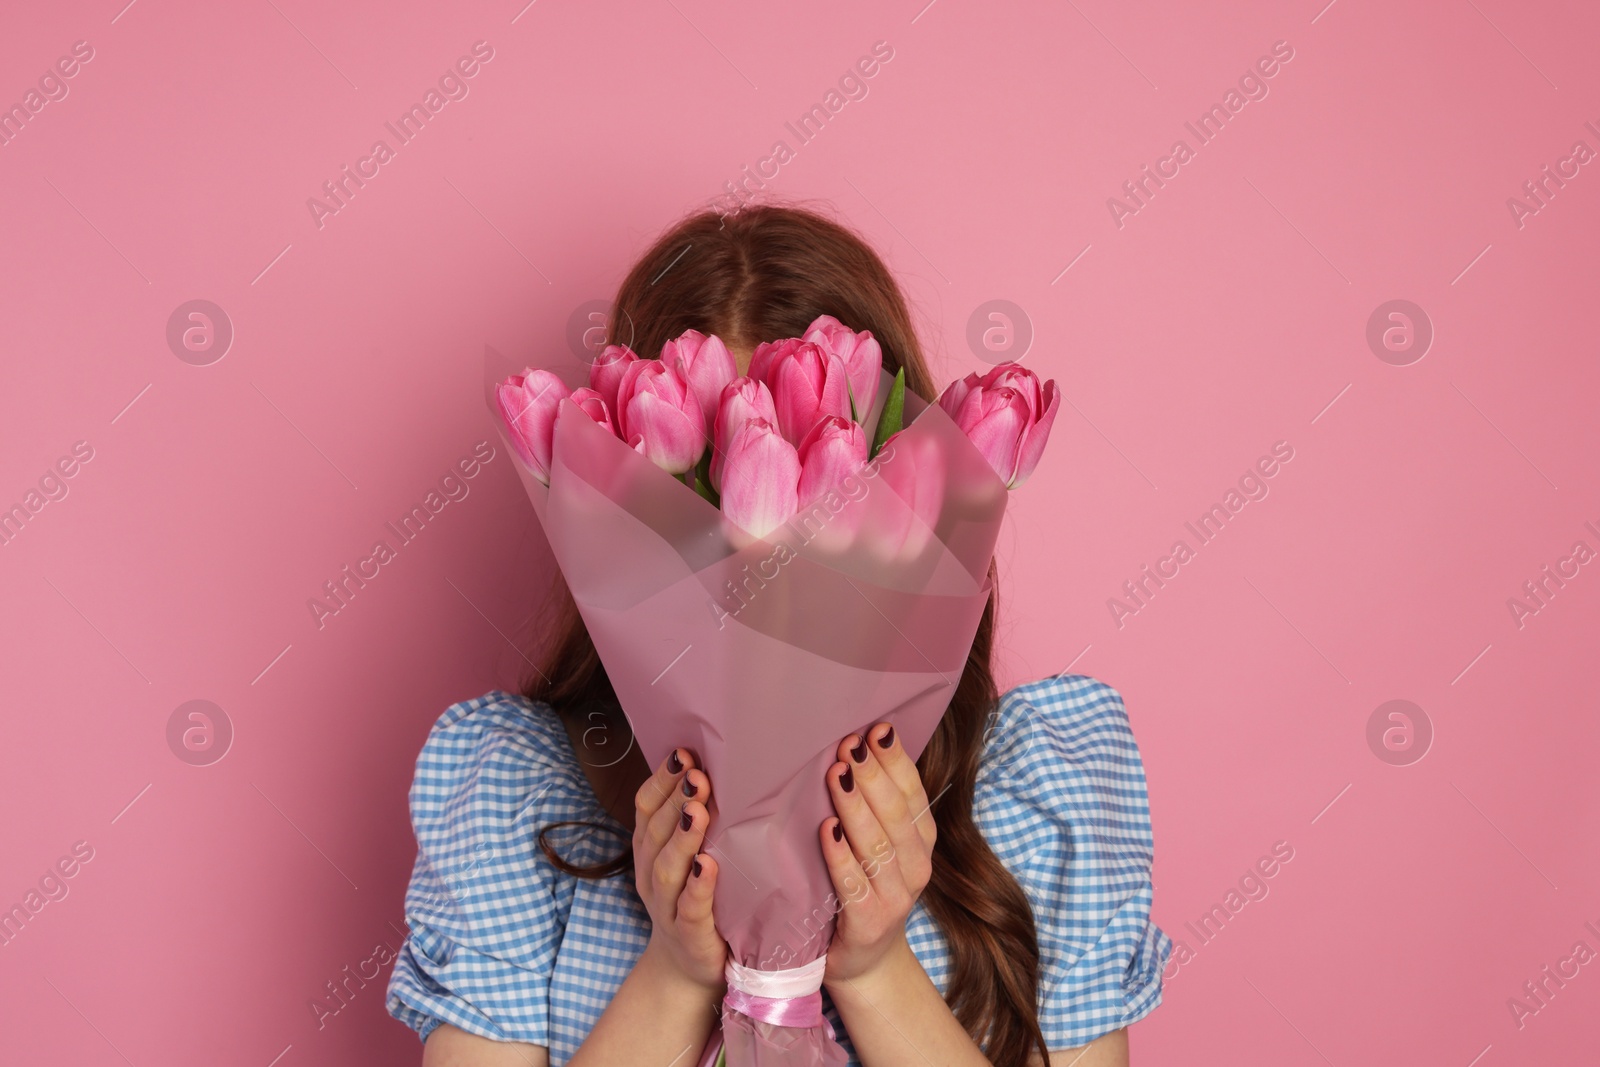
759,655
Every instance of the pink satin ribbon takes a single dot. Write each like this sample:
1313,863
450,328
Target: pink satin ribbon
800,1012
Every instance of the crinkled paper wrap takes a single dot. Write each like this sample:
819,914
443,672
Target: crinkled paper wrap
760,655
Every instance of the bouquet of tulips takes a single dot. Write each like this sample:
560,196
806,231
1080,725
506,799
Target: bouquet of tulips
766,563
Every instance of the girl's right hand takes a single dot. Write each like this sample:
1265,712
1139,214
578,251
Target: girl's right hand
673,878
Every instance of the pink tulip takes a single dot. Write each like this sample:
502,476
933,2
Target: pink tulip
742,399
760,479
527,403
835,448
1006,415
705,363
807,383
594,406
658,416
606,372
859,352
767,353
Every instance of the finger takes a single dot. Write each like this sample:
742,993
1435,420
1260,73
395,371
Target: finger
850,883
898,765
677,853
863,833
657,789
660,792
888,803
696,928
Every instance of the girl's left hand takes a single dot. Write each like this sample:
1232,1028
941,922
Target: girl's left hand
879,849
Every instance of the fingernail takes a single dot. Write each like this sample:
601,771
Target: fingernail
674,764
687,820
859,753
838,832
847,780
695,866
688,786
887,739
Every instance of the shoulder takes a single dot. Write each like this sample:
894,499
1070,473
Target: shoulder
1061,799
486,910
1065,744
498,728
493,772
481,757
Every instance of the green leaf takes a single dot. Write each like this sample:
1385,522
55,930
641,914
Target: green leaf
700,479
722,1057
894,412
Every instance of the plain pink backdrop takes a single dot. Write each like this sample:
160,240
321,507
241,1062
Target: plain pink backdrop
1229,313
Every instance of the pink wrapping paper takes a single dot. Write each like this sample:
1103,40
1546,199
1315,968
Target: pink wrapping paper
760,655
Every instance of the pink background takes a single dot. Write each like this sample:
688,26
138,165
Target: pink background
1227,314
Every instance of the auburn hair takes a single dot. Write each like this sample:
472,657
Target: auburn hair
762,274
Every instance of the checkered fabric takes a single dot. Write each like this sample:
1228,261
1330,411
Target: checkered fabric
505,946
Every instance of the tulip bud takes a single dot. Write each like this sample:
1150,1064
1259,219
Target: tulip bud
834,449
742,399
860,353
806,382
759,479
594,406
705,363
1006,415
658,416
527,403
606,372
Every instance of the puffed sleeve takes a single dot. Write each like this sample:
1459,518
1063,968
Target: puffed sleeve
1061,798
485,908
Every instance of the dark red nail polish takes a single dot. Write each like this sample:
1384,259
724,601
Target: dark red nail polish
847,780
859,753
687,820
674,764
688,786
695,866
887,739
838,832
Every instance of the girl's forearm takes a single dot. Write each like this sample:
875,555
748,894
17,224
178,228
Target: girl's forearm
657,1016
896,1017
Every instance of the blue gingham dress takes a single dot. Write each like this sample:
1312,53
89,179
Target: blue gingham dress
503,945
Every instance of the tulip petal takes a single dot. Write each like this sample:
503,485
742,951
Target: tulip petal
1032,445
706,364
528,403
834,449
742,400
605,373
760,479
594,406
996,430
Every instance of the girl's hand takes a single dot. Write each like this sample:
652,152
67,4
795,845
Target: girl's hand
673,877
879,849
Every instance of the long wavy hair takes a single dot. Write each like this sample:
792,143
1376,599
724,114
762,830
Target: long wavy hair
762,274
